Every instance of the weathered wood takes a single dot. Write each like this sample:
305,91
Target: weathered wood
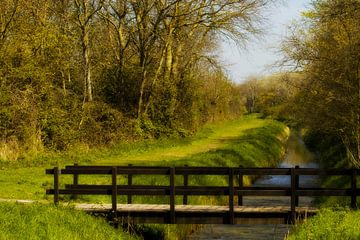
56,185
129,200
186,182
202,170
157,213
262,171
297,182
315,192
172,195
75,182
353,190
293,195
231,196
241,185
217,214
114,189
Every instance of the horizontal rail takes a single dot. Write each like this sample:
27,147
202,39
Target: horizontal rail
145,170
173,189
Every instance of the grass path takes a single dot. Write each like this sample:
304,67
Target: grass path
250,139
210,138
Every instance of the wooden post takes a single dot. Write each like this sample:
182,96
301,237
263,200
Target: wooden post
75,181
172,195
293,196
353,189
241,184
186,182
231,196
56,185
114,190
297,182
129,199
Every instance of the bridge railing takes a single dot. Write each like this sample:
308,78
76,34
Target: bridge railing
294,190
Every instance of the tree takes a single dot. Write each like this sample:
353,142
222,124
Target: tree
328,54
85,14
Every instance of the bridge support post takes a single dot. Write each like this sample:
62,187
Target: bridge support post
297,182
293,196
241,184
186,182
172,195
353,189
114,195
129,199
56,185
231,196
75,181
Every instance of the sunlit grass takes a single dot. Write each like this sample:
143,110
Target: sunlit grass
330,225
35,221
249,141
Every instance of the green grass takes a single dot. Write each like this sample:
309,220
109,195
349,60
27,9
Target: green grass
35,221
329,225
249,141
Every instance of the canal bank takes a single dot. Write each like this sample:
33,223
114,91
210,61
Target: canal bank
296,155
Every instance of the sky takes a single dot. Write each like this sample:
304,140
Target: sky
260,53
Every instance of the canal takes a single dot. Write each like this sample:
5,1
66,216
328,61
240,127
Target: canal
296,154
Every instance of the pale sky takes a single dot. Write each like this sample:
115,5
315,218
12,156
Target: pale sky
261,53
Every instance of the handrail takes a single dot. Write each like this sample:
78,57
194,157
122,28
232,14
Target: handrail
294,191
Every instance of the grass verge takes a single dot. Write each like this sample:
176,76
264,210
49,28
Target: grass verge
35,221
330,225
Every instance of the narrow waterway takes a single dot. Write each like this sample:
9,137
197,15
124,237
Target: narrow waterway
296,154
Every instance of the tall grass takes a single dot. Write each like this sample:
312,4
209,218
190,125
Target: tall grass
329,225
18,221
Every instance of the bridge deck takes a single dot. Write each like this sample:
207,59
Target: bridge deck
157,213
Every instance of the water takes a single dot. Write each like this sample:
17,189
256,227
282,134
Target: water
297,155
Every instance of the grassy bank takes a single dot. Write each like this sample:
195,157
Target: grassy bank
249,141
330,225
333,222
19,221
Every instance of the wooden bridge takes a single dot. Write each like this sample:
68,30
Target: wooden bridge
178,190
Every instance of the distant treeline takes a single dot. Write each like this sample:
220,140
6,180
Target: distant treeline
321,91
94,72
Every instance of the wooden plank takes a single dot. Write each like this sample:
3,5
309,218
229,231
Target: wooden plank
322,172
262,171
293,196
323,192
202,191
241,186
353,189
129,199
186,182
49,171
172,195
231,196
297,182
264,192
56,185
114,189
202,170
75,182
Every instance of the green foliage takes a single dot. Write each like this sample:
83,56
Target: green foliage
326,51
329,224
35,221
